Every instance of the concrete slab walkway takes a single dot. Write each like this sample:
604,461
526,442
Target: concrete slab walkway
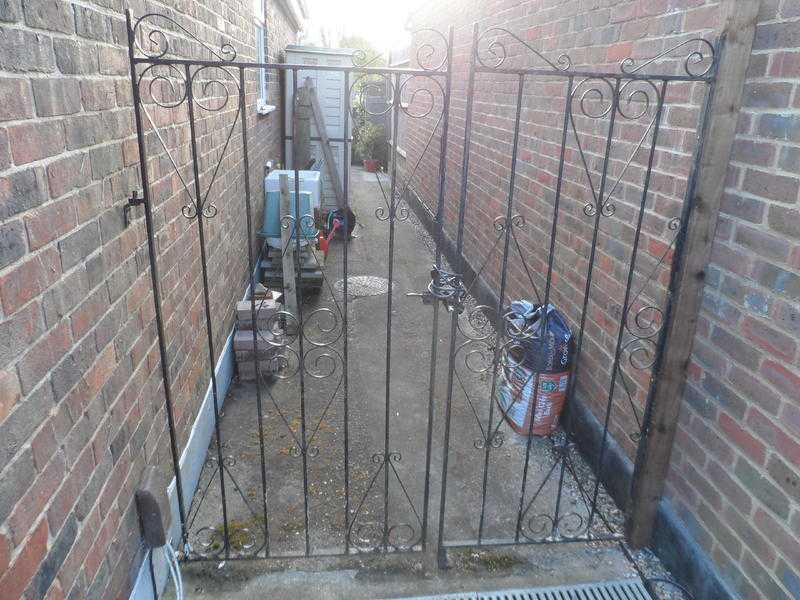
344,465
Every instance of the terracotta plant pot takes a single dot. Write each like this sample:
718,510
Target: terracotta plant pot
371,165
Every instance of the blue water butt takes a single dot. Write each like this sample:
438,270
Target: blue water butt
272,213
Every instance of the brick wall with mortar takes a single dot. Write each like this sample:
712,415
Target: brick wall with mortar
596,38
81,396
735,472
735,476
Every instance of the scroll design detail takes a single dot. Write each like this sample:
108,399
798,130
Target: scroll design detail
498,52
158,38
704,53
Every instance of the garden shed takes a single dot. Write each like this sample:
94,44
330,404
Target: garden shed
332,91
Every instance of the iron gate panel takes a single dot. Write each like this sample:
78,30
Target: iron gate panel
385,504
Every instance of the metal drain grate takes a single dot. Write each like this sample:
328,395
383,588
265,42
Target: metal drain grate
626,589
361,286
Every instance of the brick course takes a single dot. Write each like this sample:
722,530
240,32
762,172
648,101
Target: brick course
735,465
763,291
81,397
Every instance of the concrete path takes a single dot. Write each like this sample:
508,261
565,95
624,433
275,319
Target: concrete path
314,519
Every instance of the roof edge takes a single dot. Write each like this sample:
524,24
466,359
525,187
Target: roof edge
297,11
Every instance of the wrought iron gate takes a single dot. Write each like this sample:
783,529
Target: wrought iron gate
380,499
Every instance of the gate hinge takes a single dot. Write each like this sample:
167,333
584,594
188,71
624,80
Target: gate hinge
447,288
134,201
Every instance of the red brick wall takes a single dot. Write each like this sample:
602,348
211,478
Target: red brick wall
596,38
81,396
735,475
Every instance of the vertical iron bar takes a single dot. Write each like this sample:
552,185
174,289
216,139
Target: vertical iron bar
676,272
626,301
598,214
454,316
298,222
487,447
438,241
345,193
154,279
283,96
556,512
153,584
550,261
251,270
392,215
207,302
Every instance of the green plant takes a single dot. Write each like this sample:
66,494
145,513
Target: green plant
368,140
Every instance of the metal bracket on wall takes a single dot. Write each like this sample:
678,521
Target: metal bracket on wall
134,201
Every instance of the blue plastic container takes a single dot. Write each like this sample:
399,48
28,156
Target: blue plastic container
272,217
310,195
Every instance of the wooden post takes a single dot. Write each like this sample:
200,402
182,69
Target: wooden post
288,254
336,183
738,18
301,129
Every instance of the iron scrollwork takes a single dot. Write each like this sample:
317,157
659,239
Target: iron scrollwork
157,36
694,58
168,88
547,527
593,103
492,53
362,60
644,323
210,542
404,99
557,526
631,97
305,346
382,537
498,53
631,100
426,53
485,349
321,329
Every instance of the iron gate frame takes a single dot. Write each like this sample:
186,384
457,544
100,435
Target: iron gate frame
443,285
707,57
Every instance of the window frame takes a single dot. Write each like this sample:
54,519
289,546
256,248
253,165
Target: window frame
263,106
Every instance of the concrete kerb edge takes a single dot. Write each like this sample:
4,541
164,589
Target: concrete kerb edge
192,460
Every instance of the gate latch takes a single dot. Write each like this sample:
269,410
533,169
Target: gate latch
133,202
446,287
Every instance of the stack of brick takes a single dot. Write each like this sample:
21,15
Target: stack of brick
268,329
